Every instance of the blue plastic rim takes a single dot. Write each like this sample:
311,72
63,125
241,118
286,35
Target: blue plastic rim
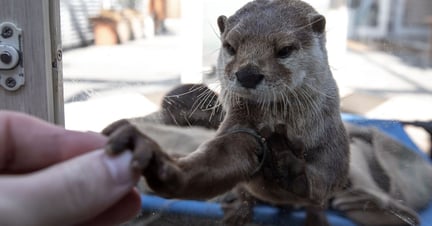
276,216
212,210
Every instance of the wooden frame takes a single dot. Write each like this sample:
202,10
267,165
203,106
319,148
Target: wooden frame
42,94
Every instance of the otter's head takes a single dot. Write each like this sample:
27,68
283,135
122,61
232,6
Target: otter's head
271,48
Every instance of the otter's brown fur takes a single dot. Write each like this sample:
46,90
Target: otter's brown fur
298,90
191,105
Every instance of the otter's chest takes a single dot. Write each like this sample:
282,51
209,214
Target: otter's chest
298,127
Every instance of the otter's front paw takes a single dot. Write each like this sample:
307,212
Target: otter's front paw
124,136
287,162
159,169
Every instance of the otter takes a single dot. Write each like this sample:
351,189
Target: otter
273,70
191,105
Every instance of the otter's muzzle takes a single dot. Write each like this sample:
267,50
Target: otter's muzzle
249,76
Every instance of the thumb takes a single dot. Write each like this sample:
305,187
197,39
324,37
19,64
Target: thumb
68,193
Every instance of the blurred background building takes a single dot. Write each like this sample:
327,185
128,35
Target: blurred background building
121,56
401,27
80,19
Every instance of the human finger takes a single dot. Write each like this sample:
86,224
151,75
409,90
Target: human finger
28,143
125,209
68,193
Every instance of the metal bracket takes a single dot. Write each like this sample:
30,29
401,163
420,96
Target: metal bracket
11,60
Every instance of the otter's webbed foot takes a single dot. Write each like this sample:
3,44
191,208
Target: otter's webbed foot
238,207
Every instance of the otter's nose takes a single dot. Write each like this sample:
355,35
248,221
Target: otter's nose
249,77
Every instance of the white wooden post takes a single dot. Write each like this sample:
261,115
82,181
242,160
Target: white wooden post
192,41
42,93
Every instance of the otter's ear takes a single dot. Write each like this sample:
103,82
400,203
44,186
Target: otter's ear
221,21
317,22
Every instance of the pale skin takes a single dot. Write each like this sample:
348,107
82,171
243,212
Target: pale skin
52,176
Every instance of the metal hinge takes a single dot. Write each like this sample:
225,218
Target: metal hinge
11,60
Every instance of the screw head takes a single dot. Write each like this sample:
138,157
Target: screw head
6,57
59,55
7,32
10,82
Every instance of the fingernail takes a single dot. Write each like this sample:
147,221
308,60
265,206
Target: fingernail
119,167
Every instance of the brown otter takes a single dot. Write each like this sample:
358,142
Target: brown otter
275,71
191,105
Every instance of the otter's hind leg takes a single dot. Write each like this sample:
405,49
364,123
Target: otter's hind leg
238,207
316,217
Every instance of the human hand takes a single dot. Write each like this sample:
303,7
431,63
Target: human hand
50,176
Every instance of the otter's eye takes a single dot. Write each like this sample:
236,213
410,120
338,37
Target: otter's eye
230,50
285,52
